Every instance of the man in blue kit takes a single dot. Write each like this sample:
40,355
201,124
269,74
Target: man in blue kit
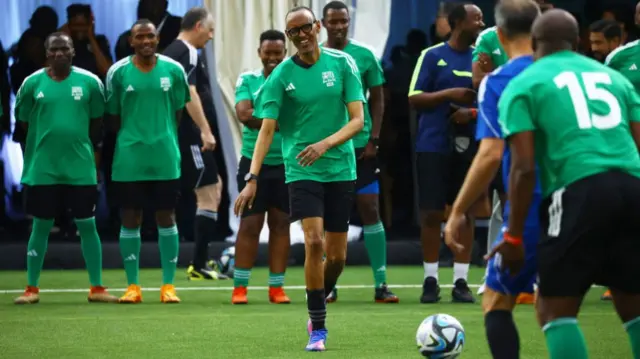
440,89
514,20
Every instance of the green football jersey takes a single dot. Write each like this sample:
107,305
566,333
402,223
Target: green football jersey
626,59
246,90
309,104
489,44
59,113
371,75
147,103
579,111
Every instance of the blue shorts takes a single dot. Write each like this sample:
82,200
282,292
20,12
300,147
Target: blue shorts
501,281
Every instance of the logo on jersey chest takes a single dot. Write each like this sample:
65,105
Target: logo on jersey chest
328,78
76,93
165,83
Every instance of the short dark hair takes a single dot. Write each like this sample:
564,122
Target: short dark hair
609,28
457,13
272,35
300,8
334,5
55,35
142,22
74,10
193,17
515,18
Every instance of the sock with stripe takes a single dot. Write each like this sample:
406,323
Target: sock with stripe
91,249
241,277
565,339
633,329
375,241
276,280
130,244
37,248
317,308
169,244
205,232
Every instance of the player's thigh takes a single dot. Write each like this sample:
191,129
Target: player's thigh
260,202
191,164
575,225
306,200
502,281
44,201
81,200
277,191
164,195
131,195
338,201
433,171
209,173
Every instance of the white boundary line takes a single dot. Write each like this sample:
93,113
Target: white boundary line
225,288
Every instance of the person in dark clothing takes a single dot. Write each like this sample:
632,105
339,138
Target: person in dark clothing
92,51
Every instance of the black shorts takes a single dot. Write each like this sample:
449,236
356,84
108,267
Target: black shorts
272,192
440,176
331,201
49,201
368,171
591,235
159,195
198,169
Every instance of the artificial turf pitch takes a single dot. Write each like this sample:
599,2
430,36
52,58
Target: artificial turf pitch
64,325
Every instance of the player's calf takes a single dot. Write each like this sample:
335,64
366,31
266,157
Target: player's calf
629,312
246,252
279,244
500,328
336,256
314,272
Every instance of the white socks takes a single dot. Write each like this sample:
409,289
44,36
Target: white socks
430,270
460,271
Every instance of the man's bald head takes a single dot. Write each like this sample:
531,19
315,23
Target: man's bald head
555,30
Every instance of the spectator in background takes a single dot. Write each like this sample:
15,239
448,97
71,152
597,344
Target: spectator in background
604,36
5,92
92,51
167,25
622,14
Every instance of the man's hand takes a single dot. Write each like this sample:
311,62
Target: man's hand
208,141
370,151
486,64
455,224
310,154
461,116
462,95
512,255
245,198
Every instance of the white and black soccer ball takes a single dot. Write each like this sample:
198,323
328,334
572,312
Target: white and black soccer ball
440,336
227,261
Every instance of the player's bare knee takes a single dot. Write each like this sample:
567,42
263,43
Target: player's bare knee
368,209
165,219
431,219
492,301
313,241
208,197
278,224
251,226
131,218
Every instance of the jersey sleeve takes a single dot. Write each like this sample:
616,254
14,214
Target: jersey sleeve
269,99
24,102
481,47
612,60
422,75
181,89
375,74
352,82
514,110
96,102
243,92
113,89
188,59
633,101
488,126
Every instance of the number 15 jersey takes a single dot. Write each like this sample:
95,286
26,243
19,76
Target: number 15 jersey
579,111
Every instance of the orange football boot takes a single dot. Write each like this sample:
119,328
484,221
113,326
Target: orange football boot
30,296
99,294
278,296
607,295
526,298
168,294
133,295
239,295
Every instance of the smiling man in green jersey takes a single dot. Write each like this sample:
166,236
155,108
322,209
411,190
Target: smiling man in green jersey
626,60
61,109
146,93
335,18
272,197
579,121
316,99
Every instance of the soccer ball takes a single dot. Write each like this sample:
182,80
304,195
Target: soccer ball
227,261
440,336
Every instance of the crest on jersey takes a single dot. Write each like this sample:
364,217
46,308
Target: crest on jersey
328,78
165,83
76,92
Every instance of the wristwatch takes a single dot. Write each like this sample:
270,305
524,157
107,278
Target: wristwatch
250,176
374,141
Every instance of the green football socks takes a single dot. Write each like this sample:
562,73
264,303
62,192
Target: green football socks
169,244
130,244
91,249
376,243
37,248
565,339
276,280
633,329
241,277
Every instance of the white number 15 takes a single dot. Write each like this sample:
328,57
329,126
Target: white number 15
587,120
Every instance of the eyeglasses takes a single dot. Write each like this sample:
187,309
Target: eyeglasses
295,31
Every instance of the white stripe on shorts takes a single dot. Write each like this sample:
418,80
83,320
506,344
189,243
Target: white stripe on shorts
197,157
